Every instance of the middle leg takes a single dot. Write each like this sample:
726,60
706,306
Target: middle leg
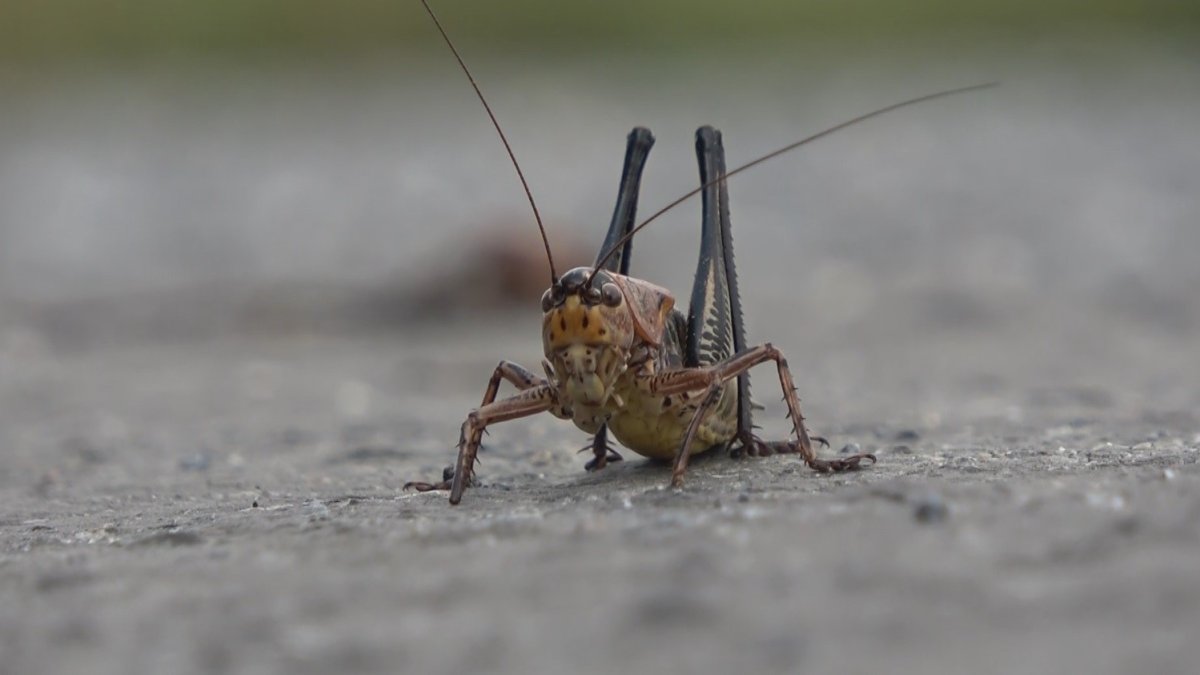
710,379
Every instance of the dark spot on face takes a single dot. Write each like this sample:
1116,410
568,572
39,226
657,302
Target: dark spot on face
585,320
562,322
603,331
666,401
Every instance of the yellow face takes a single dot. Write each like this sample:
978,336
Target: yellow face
581,348
584,310
575,322
586,333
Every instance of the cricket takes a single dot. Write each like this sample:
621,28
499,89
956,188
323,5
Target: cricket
621,359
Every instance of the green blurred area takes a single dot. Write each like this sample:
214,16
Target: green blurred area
57,30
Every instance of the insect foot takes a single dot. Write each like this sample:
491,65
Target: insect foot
445,484
602,451
753,446
851,463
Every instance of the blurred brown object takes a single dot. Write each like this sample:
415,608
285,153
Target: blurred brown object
496,269
501,267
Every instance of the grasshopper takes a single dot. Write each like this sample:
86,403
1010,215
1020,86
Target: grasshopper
621,359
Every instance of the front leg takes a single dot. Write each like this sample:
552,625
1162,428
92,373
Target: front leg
517,375
536,396
710,379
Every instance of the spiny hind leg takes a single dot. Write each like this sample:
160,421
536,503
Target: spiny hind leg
803,443
717,233
637,150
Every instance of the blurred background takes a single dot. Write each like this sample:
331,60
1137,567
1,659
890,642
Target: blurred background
175,173
188,173
316,151
257,258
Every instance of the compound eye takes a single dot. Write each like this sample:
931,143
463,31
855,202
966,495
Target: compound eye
611,295
593,295
547,300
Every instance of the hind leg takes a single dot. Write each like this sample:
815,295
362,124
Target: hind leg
637,150
716,327
716,330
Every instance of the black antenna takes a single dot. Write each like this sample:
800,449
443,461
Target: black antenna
861,118
529,194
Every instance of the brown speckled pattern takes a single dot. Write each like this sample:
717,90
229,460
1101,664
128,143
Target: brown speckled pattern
647,423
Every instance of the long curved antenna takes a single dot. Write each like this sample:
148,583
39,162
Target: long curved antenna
861,118
520,174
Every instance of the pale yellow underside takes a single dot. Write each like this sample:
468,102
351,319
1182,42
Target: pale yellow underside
658,434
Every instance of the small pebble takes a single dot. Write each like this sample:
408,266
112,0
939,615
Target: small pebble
907,435
851,449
